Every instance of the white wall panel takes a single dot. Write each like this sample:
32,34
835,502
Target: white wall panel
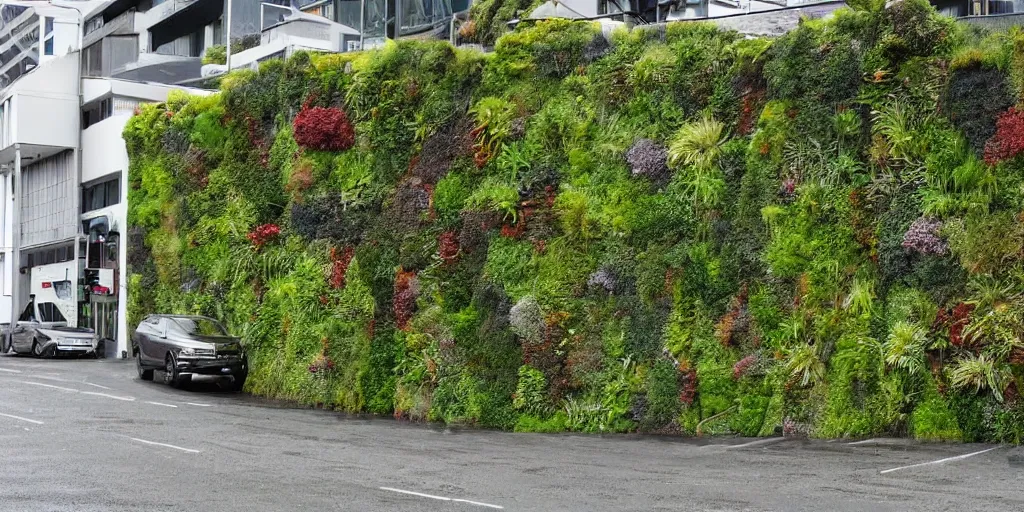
48,200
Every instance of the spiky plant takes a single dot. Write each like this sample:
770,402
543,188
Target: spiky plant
698,144
806,365
905,348
861,297
979,372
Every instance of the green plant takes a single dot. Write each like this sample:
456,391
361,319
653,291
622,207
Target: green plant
979,372
216,54
805,365
697,144
530,397
905,348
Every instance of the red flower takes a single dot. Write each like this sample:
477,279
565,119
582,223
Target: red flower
325,129
1008,141
263,234
339,266
448,246
743,366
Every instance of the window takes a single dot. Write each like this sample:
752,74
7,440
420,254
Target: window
48,36
97,113
92,61
95,23
101,195
49,312
62,289
29,314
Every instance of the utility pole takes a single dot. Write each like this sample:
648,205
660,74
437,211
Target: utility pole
227,32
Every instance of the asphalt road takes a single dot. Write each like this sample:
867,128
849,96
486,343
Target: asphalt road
89,436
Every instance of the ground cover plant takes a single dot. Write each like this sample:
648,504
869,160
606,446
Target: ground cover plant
686,231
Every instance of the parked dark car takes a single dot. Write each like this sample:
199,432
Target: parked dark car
183,346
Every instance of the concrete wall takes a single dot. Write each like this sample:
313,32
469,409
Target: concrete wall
103,150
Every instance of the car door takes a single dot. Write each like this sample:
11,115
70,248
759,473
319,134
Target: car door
148,334
21,335
158,342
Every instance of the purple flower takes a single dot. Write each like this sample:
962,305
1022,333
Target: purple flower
648,158
923,237
603,278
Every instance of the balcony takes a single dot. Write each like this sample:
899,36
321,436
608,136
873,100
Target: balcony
40,111
123,24
175,18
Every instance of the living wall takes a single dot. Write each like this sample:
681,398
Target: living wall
680,231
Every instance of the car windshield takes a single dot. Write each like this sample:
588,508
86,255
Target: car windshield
200,326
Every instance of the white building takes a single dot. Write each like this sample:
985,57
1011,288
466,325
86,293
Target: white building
62,157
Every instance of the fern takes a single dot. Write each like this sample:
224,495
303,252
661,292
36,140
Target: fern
905,348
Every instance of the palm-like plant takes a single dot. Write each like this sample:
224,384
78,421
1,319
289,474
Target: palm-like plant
805,364
897,123
861,297
905,348
698,144
979,372
1001,330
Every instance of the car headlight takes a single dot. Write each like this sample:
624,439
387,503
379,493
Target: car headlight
196,352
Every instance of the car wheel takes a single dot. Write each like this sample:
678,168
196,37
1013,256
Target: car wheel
171,375
238,381
144,374
38,351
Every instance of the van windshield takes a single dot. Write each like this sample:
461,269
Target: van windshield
200,326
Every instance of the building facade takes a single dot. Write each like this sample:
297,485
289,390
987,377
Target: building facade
67,69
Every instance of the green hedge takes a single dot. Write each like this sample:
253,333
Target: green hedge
661,232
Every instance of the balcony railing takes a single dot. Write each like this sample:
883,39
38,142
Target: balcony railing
124,22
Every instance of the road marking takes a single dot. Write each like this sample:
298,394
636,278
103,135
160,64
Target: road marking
189,450
20,418
759,442
49,386
940,461
866,441
441,498
122,398
162,405
9,371
96,386
479,504
198,405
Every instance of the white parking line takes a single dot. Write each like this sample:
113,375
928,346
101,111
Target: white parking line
189,450
9,371
866,441
940,461
162,405
20,418
198,405
49,386
477,503
759,442
122,398
96,386
441,498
